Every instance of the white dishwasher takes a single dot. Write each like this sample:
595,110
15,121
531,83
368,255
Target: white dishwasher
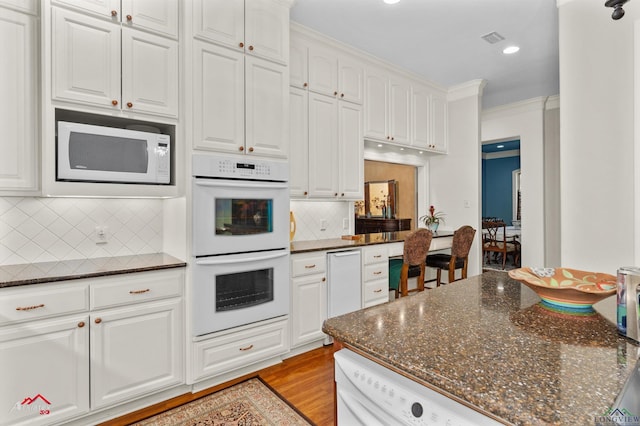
345,286
369,394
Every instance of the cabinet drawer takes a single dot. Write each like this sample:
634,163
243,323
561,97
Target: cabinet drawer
135,288
376,290
376,272
239,349
375,255
395,249
308,264
41,301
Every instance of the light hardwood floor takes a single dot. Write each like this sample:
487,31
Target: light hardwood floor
306,381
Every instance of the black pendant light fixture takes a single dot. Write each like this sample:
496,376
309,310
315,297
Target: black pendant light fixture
618,11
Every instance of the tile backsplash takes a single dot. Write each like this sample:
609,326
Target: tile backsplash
49,229
310,216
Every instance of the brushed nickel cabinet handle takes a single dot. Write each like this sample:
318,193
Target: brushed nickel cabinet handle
29,308
140,291
247,348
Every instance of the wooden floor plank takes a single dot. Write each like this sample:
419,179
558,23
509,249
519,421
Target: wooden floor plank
306,381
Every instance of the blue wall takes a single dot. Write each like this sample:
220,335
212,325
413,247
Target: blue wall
496,187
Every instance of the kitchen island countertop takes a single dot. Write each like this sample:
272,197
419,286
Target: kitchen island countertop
486,342
359,241
42,272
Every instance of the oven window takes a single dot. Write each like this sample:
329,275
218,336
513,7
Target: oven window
244,289
242,216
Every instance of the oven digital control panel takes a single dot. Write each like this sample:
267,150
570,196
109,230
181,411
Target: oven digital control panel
217,166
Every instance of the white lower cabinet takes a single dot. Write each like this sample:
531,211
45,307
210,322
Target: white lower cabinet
308,297
135,351
44,367
375,275
114,339
232,349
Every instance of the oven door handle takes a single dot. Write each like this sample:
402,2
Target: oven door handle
250,185
243,260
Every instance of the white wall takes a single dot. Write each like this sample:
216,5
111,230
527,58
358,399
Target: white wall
455,179
597,136
525,121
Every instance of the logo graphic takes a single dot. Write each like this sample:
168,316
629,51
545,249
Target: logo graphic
617,417
38,403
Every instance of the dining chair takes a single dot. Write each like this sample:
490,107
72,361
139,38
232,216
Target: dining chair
416,246
459,257
495,240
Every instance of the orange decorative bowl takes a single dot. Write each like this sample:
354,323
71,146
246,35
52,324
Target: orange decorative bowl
567,290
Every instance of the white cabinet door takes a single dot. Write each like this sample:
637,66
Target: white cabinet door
44,370
97,7
28,6
298,64
218,98
135,350
219,21
149,73
399,111
440,119
376,96
159,16
266,108
298,142
421,111
309,308
323,146
86,59
19,88
323,71
350,80
266,30
351,151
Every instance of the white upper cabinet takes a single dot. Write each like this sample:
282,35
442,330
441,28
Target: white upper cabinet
160,17
103,8
26,6
298,64
19,111
387,107
440,135
98,63
323,146
298,142
333,74
351,151
256,27
429,120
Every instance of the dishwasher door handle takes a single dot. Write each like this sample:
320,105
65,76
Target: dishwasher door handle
358,410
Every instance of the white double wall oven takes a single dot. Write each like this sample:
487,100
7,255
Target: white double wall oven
240,242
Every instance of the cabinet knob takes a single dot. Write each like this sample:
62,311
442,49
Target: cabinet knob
388,137
305,84
251,48
114,102
250,149
342,95
241,148
241,44
129,18
335,195
129,105
324,279
81,324
306,193
335,93
98,320
342,195
392,138
114,13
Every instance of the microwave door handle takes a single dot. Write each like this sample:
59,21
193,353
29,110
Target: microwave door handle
250,185
243,260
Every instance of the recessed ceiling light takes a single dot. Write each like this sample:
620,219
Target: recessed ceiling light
500,146
511,49
391,1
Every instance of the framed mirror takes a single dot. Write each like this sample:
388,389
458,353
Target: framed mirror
379,197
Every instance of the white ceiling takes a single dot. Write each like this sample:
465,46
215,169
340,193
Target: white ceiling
441,40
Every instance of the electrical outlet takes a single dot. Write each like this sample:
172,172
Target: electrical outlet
101,235
323,225
345,223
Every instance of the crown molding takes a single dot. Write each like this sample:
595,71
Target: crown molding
466,90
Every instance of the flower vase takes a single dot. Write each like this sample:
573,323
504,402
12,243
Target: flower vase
433,226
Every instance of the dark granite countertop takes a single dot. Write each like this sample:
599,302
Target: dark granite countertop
362,240
36,273
486,341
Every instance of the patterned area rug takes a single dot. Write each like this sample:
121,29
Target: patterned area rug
249,403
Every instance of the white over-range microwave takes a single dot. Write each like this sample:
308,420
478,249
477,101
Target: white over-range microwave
89,153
